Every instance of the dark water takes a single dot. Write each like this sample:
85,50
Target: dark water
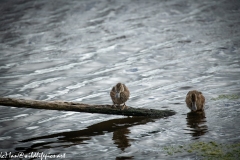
77,50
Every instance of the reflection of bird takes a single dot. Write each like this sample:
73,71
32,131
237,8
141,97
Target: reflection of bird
195,100
121,139
196,123
119,95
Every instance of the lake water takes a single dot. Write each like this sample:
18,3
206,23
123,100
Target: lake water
77,50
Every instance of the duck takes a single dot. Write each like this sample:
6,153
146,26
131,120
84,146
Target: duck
195,101
119,95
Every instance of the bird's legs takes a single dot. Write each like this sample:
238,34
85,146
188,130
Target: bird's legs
123,107
114,105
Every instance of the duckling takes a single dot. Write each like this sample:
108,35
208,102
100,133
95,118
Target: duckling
195,101
119,95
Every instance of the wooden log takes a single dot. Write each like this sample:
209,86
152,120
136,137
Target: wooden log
80,107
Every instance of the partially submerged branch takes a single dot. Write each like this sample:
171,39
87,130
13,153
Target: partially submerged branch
80,107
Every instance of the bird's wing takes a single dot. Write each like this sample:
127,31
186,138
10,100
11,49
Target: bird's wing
112,94
188,97
126,91
202,99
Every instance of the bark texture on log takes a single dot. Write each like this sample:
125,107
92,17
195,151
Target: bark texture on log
80,107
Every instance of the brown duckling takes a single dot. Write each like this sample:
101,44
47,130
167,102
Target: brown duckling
195,101
119,95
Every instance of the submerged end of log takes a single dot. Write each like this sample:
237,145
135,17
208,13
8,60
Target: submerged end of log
80,107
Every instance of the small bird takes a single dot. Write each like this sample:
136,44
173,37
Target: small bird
195,101
119,94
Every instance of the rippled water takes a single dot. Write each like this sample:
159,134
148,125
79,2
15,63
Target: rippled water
77,50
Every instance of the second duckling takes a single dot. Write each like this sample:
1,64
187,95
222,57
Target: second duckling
195,101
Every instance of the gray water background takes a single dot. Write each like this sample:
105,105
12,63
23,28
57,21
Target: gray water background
77,50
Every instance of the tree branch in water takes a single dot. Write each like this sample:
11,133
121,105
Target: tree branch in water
80,107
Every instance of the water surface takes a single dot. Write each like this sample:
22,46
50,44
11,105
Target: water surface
77,50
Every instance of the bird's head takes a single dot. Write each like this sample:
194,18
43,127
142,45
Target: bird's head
119,88
194,99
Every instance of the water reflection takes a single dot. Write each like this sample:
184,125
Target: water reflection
196,123
120,138
119,127
124,158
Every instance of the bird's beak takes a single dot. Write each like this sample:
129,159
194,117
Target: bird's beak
117,94
194,107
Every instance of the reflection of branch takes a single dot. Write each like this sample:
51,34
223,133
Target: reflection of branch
195,120
117,126
79,107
